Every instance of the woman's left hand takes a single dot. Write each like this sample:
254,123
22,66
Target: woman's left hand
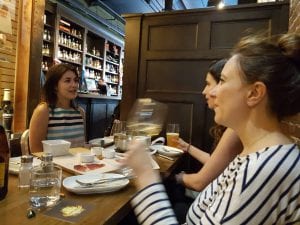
181,144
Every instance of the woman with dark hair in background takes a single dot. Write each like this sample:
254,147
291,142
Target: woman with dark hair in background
259,86
57,116
226,143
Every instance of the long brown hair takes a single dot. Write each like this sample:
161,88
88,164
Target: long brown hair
55,73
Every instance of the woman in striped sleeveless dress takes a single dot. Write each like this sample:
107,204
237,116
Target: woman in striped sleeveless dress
259,86
57,116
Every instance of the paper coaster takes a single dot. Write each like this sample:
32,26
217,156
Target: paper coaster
70,210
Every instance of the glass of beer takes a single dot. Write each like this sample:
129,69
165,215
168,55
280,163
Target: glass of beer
172,134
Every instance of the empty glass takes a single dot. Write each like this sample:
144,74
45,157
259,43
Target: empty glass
118,131
146,140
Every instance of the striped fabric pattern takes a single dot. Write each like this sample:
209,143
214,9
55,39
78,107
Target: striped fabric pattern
152,206
66,124
260,188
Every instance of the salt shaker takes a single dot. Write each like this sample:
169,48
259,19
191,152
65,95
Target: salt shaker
24,172
47,162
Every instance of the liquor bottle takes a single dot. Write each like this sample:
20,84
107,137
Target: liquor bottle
4,160
8,111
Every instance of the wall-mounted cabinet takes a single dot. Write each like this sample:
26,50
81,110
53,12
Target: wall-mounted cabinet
94,57
75,42
70,42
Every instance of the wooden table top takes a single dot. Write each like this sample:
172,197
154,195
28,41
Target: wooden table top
110,208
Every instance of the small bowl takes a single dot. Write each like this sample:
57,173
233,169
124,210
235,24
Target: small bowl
56,147
86,157
108,153
96,151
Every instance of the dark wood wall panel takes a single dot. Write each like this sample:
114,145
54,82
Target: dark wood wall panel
234,30
97,119
167,38
175,76
184,109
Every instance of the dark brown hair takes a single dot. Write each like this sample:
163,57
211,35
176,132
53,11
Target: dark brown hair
275,61
215,69
55,73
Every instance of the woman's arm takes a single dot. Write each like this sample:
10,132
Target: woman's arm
227,149
38,127
197,153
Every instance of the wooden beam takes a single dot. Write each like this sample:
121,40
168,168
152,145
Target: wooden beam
29,27
22,65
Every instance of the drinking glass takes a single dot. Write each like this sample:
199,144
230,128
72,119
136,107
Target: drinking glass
172,134
145,140
118,131
146,117
45,187
118,127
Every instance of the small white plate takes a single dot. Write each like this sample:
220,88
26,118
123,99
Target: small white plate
71,185
107,141
166,150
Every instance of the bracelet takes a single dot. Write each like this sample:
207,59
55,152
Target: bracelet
188,148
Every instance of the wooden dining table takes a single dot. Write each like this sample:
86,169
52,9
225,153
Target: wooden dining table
108,208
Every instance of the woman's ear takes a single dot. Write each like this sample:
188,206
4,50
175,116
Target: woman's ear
256,93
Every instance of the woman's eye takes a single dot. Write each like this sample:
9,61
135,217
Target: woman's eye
221,81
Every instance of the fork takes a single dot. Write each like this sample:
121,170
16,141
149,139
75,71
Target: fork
102,181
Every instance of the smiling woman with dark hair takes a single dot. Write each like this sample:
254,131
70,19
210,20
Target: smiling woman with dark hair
259,85
57,116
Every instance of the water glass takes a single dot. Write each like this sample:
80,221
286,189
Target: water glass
172,134
145,140
45,187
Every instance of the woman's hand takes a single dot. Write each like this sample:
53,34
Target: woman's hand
184,146
139,160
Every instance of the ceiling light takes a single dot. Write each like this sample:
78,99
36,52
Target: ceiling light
221,5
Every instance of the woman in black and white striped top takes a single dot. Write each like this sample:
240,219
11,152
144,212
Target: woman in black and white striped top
57,116
260,85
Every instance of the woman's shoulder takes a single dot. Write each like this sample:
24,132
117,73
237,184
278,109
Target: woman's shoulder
42,107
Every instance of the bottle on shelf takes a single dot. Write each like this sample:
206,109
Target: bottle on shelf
7,116
4,161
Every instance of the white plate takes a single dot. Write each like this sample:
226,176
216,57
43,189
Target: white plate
71,185
15,162
107,141
166,150
152,151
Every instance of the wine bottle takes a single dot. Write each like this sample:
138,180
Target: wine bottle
4,160
7,116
